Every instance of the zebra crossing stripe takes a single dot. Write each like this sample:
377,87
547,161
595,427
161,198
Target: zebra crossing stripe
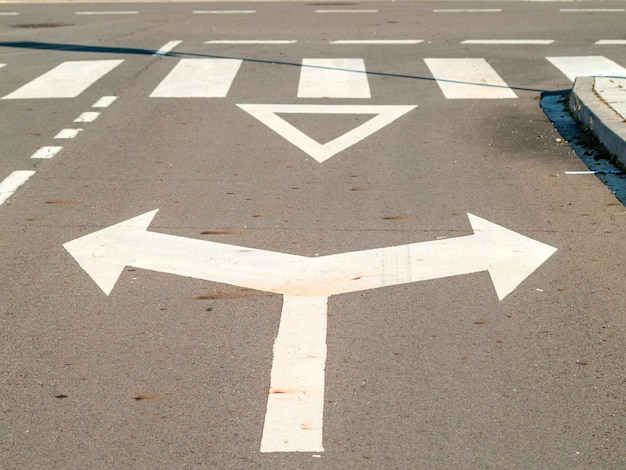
66,80
333,78
198,78
468,79
587,66
2,65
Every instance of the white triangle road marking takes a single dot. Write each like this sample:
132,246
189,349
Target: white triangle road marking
268,115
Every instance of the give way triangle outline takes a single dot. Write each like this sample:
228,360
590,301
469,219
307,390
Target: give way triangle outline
268,114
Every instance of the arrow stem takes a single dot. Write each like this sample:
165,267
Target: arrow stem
295,404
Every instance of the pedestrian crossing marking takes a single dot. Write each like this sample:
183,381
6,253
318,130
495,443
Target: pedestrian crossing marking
468,79
333,78
346,78
268,114
67,80
198,78
587,66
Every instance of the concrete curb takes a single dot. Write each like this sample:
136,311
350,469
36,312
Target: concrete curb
599,117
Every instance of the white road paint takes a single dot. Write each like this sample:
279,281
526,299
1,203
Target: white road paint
333,78
8,13
594,172
294,415
223,12
587,66
11,183
47,152
508,41
89,116
378,41
66,80
2,65
198,78
67,133
468,79
251,41
107,12
295,404
268,114
167,48
508,256
104,102
346,11
592,10
611,42
468,10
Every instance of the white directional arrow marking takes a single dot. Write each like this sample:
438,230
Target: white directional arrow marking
268,115
508,256
293,420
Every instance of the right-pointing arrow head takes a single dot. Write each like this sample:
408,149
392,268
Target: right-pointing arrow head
511,257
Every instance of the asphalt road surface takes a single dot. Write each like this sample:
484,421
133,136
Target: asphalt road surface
306,235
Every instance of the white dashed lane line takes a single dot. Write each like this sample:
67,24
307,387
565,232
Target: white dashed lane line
224,12
12,182
107,12
89,116
46,152
167,48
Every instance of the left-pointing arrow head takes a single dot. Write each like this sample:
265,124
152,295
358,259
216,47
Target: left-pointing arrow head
99,253
105,253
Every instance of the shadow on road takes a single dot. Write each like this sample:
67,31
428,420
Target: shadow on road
125,50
